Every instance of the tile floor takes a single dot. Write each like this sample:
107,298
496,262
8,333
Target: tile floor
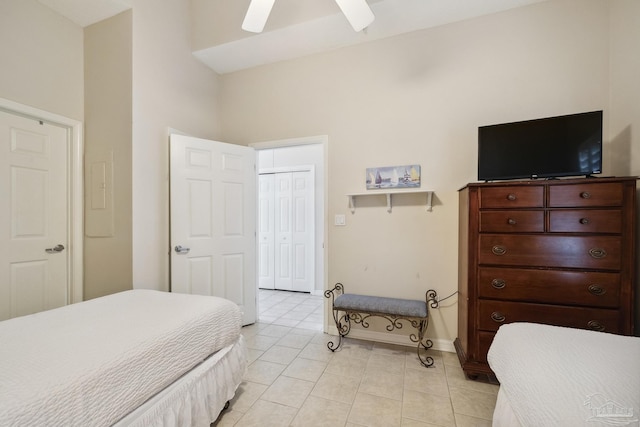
294,380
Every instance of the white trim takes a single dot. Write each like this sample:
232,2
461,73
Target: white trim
285,169
291,142
76,196
438,344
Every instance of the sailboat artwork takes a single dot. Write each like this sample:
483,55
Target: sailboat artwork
393,177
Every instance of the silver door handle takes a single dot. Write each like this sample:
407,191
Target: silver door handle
179,249
55,249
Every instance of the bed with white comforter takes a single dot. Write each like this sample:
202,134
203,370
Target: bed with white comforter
557,376
134,358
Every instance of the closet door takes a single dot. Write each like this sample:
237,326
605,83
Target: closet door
302,231
283,232
266,225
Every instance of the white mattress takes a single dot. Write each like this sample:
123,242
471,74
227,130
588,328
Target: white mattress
556,376
94,362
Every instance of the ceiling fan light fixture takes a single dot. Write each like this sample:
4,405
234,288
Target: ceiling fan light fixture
357,12
257,15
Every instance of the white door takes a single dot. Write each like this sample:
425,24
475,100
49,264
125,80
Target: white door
213,217
33,216
294,231
266,232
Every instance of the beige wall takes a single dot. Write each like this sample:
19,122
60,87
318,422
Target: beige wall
171,89
625,99
108,132
419,98
41,58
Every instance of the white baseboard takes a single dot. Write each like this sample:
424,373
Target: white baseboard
438,344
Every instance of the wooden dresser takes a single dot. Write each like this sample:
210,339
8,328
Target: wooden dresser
558,252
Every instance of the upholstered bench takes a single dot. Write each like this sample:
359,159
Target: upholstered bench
359,308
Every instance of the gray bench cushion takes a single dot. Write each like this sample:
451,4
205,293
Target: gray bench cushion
393,306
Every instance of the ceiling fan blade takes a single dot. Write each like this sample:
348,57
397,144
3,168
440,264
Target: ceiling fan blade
357,12
257,15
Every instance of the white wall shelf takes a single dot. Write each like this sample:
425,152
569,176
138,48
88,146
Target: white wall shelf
389,195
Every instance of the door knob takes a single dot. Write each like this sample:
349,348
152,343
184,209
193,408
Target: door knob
55,249
181,250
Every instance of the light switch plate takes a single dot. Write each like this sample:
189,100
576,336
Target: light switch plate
339,220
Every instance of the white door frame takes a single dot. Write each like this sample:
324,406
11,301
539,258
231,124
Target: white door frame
292,142
75,188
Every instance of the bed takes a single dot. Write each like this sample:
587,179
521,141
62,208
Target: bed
135,358
557,376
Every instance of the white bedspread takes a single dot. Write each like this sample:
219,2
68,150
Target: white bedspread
90,364
555,376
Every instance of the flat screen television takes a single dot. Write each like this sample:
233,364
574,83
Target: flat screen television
552,147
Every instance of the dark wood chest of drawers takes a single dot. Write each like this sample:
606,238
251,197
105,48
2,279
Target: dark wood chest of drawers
558,252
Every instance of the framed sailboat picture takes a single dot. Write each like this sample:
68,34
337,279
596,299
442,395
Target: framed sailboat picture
393,177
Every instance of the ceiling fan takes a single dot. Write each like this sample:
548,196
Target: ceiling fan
357,12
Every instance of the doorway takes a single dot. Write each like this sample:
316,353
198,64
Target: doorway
301,154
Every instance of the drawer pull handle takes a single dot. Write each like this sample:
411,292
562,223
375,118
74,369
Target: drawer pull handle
594,325
499,250
499,283
597,253
584,221
597,290
498,317
512,221
585,195
511,197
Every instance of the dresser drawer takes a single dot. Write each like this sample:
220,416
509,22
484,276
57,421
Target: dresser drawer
514,221
603,194
591,252
492,314
512,197
585,221
484,342
586,288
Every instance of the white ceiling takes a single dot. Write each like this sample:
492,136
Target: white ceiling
393,17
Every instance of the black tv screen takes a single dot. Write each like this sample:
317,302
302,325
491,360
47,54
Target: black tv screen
543,148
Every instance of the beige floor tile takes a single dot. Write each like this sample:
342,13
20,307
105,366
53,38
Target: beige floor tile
473,403
467,421
279,354
318,412
227,418
375,411
288,391
267,414
263,372
426,381
450,358
260,342
246,395
346,366
407,422
390,363
295,379
457,379
305,369
317,352
295,341
383,384
336,387
428,408
253,355
277,331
